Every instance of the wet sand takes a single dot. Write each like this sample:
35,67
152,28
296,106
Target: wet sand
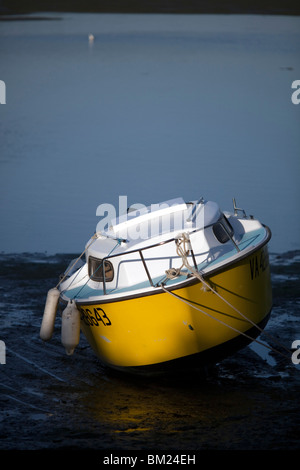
50,401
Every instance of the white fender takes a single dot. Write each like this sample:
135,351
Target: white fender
48,320
70,327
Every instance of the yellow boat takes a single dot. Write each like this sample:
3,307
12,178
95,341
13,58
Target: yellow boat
174,286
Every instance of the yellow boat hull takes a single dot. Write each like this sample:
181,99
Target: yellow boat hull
161,330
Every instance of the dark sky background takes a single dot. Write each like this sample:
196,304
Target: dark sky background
276,7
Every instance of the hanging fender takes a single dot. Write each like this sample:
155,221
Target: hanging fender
50,310
70,327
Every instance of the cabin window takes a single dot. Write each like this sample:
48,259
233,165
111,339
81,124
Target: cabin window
96,270
223,230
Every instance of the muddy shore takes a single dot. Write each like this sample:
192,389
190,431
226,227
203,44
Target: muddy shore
55,402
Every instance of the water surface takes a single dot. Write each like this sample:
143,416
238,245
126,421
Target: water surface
156,107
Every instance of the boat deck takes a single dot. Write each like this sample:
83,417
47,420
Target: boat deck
248,241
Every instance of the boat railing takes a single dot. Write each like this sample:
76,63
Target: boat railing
141,251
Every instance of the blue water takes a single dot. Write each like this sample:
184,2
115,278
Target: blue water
158,106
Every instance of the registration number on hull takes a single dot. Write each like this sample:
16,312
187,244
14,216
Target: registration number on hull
94,316
259,263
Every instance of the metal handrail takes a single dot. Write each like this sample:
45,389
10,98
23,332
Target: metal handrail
140,251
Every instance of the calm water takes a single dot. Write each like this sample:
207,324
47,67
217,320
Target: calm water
158,106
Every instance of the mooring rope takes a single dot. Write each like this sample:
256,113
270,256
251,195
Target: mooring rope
223,323
183,248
